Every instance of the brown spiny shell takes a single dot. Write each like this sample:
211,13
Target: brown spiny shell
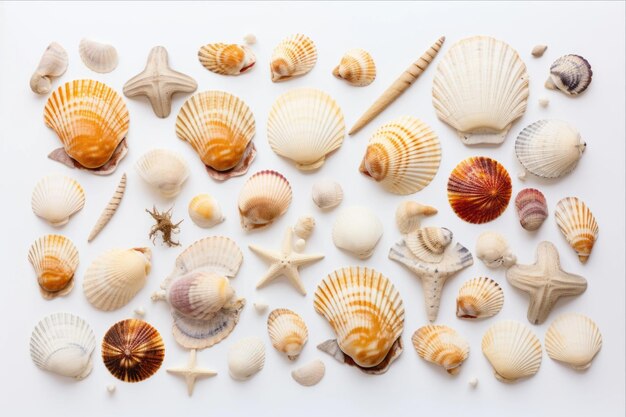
478,298
226,59
55,259
264,197
357,67
578,225
441,345
532,208
294,56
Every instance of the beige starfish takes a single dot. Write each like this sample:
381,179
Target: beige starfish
191,373
159,82
286,262
545,282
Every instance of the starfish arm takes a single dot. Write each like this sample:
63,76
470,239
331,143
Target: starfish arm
287,248
294,277
268,255
299,259
275,270
540,305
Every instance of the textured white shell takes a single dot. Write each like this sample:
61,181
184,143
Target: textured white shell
304,227
53,63
429,243
56,197
246,358
288,332
98,57
327,193
409,215
493,249
294,56
54,259
357,68
357,230
264,197
164,170
578,225
573,339
478,298
309,374
205,211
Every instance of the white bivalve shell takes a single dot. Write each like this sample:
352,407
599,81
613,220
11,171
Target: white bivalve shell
246,358
478,298
164,170
357,68
429,243
357,230
304,227
98,57
327,194
294,56
205,211
288,332
56,197
578,224
493,249
573,339
310,374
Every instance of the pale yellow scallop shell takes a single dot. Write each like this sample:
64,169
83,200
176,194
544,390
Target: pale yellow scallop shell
357,68
293,57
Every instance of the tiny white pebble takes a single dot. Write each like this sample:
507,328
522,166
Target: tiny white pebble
260,307
140,311
299,245
543,102
111,388
250,39
539,50
473,382
522,176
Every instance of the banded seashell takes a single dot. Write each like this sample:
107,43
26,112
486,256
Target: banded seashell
98,57
357,68
53,63
493,249
571,74
56,197
199,295
327,194
246,358
578,225
532,208
226,59
441,345
309,374
573,339
357,230
264,197
409,215
479,298
205,211
293,57
429,243
55,260
288,332
164,170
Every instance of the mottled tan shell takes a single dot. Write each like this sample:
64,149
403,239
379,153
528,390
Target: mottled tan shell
357,68
573,339
264,197
55,259
288,332
56,197
226,59
304,227
442,346
578,225
293,57
479,298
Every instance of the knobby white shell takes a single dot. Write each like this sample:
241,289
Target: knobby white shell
357,230
310,374
409,215
294,56
493,249
56,197
164,170
53,63
205,211
98,57
478,298
578,224
327,194
573,339
288,332
246,358
357,68
54,259
264,197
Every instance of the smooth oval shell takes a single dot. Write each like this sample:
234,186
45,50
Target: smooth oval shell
327,194
205,211
571,74
55,259
532,208
409,215
479,298
288,332
357,68
56,197
293,57
98,57
53,63
573,339
246,358
264,197
226,59
199,295
309,374
578,225
493,249
479,189
357,230
429,243
164,170
304,227
441,345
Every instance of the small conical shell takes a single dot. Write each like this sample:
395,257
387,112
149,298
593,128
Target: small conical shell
199,295
264,197
442,346
115,277
56,197
573,339
205,211
578,225
532,208
493,249
55,259
512,349
246,358
53,63
63,343
164,170
110,209
357,67
357,230
226,59
429,243
409,215
479,298
571,74
403,155
293,57
305,125
304,227
310,374
327,194
287,331
98,57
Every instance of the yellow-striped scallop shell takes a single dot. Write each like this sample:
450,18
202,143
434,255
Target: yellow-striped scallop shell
205,211
288,332
479,298
56,197
55,259
578,225
226,59
573,339
441,345
294,56
357,67
264,197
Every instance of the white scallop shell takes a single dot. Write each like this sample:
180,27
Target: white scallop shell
264,197
98,57
493,249
578,224
309,374
246,358
294,56
55,259
409,215
288,332
205,211
480,297
429,243
164,170
573,339
56,197
357,230
327,194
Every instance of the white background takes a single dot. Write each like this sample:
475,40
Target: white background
395,34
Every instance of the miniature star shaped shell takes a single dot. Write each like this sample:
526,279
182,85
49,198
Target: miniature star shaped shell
191,372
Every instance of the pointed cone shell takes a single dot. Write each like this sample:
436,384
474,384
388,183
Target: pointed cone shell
357,67
571,74
246,358
199,295
493,249
480,89
549,148
294,56
226,59
56,197
305,125
442,346
429,243
327,194
288,332
98,57
512,349
479,298
479,189
164,170
532,208
409,214
205,211
578,225
63,343
357,230
55,259
115,277
573,339
310,374
90,119
365,311
264,197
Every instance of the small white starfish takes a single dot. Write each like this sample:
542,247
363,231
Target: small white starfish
191,373
286,262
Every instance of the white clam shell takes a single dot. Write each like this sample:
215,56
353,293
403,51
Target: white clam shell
54,259
164,170
56,197
288,332
493,249
327,194
246,358
309,374
205,211
357,230
260,306
98,57
573,339
53,63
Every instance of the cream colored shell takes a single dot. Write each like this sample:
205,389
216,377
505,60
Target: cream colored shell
493,249
429,243
199,295
294,56
442,346
327,194
573,339
53,63
264,197
309,374
205,211
357,68
288,332
578,224
164,170
246,358
226,59
304,227
479,298
357,230
55,260
409,215
98,57
56,197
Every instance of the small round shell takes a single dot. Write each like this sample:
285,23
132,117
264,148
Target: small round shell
493,249
310,374
164,170
357,230
571,74
573,339
56,197
578,225
327,194
409,215
293,57
357,68
304,227
53,63
429,243
288,332
246,358
264,197
226,59
55,259
98,57
442,346
205,211
479,298
532,208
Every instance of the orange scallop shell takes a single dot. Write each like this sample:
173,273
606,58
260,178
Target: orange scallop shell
479,189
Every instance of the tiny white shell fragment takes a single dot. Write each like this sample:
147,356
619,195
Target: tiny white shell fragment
139,311
543,102
249,38
473,382
260,306
522,175
246,358
310,374
111,388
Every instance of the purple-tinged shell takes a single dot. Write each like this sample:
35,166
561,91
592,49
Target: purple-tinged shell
532,208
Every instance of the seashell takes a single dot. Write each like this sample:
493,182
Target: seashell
327,194
199,295
53,63
543,102
111,388
91,120
573,339
246,358
403,155
288,332
538,50
220,127
164,170
304,227
305,125
226,59
357,230
249,38
549,148
480,89
366,313
442,346
116,276
205,211
493,249
62,343
109,210
532,208
479,189
357,68
55,260
261,307
578,225
264,197
140,311
56,197
132,350
98,57
310,374
571,74
479,298
409,215
429,243
293,57
512,349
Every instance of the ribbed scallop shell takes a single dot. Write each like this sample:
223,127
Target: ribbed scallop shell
479,298
205,211
480,89
294,56
264,197
288,332
217,254
304,227
479,189
90,119
493,249
512,349
132,350
571,74
428,243
357,67
55,259
62,343
115,277
309,374
409,215
578,225
365,311
56,197
220,127
357,230
403,155
98,57
532,208
199,295
327,194
164,170
549,148
573,339
246,358
226,59
441,345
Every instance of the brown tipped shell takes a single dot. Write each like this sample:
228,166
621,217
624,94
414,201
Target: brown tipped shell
293,57
97,56
357,68
429,243
573,339
55,259
532,208
264,197
288,332
409,214
571,74
578,225
479,298
226,59
442,346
